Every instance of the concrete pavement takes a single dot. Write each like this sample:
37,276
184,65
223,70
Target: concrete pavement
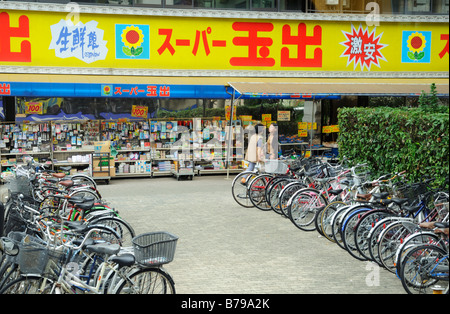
224,248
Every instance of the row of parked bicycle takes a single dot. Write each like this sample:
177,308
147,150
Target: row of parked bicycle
399,225
59,236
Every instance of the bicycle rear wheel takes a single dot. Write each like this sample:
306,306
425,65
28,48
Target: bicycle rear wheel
424,268
147,281
122,228
363,228
326,217
389,241
274,191
285,195
304,206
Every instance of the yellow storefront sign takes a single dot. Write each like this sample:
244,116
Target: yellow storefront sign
102,41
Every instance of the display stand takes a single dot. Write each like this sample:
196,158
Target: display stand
183,166
101,166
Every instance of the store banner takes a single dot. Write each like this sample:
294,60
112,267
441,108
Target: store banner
101,41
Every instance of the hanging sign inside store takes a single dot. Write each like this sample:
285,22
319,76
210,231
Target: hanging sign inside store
330,129
33,107
302,133
307,126
147,43
139,111
266,117
284,115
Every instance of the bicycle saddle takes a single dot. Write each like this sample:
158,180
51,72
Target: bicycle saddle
441,225
66,183
58,175
89,241
104,248
86,204
411,209
400,201
380,195
123,260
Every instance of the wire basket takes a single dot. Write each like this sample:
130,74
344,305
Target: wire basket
276,167
19,184
34,257
413,191
154,248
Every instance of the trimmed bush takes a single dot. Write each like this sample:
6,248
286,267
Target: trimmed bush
396,139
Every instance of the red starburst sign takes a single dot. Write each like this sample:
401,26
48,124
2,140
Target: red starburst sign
363,48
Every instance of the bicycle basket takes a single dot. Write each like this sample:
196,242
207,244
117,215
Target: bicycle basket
276,166
33,254
154,248
19,184
412,191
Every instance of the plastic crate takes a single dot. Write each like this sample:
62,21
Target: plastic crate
154,248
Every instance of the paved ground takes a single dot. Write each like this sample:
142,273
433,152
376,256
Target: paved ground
225,248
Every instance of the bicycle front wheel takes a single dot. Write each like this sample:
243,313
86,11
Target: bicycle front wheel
29,285
239,188
257,191
147,281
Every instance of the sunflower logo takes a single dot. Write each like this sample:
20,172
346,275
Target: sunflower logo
132,38
416,44
106,90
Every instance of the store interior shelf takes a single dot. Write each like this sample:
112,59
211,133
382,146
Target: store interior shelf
148,147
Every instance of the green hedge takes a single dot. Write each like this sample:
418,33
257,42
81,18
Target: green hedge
396,139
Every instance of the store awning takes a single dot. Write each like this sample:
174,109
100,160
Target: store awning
328,88
40,85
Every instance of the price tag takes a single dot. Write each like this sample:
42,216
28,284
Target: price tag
139,111
33,107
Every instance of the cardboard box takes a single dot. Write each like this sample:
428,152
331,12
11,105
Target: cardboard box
103,172
102,147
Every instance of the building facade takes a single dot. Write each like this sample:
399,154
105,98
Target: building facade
111,54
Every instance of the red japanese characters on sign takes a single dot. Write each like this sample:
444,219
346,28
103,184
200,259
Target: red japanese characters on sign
444,37
144,91
256,37
7,33
200,36
5,89
301,41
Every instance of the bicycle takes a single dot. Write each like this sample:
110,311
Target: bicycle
128,272
394,234
427,266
